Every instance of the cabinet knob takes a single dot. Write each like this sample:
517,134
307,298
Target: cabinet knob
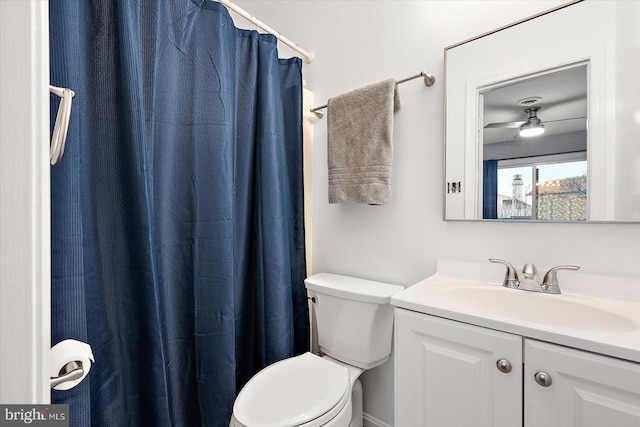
504,366
543,379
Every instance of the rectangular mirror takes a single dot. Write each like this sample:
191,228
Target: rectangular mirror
543,118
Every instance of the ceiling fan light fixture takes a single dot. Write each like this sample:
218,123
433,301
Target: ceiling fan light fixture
530,129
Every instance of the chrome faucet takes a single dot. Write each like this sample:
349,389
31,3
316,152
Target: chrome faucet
530,281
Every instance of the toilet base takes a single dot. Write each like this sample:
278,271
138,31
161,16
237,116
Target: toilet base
356,404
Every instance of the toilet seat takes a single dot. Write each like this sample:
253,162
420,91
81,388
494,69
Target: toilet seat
302,391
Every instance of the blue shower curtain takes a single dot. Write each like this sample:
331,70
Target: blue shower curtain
177,210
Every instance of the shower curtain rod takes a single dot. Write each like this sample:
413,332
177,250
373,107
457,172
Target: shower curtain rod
307,55
429,80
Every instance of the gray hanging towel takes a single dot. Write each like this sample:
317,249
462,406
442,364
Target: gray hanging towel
360,144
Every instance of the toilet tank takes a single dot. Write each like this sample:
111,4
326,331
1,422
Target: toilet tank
354,318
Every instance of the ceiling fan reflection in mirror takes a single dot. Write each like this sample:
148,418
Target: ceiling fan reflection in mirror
532,126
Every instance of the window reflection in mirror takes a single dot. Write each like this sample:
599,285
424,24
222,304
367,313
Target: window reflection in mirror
534,147
544,191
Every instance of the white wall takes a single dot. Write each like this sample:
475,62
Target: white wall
361,42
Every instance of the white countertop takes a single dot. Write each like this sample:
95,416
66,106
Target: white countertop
609,326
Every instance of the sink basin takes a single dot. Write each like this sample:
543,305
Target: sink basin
568,311
606,321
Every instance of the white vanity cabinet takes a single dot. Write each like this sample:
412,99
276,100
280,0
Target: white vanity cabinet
451,374
586,390
446,374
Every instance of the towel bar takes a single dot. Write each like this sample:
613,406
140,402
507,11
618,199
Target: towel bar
429,80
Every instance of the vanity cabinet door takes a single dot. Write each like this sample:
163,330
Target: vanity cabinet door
447,375
586,389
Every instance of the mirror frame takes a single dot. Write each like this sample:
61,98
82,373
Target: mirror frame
600,136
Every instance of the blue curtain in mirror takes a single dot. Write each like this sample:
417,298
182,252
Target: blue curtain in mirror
177,209
490,189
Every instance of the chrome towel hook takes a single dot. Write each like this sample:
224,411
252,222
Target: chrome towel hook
61,127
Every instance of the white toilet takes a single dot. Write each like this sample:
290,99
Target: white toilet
354,322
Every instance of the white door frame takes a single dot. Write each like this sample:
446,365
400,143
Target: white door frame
25,266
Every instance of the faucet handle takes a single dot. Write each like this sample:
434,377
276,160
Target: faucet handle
511,278
550,282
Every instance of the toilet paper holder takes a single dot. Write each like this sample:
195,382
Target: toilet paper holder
69,372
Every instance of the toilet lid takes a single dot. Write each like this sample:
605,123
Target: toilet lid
291,392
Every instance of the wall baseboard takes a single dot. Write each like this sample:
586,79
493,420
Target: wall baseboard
370,421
